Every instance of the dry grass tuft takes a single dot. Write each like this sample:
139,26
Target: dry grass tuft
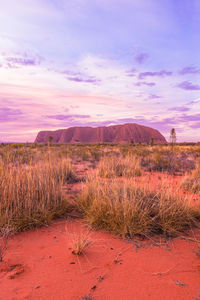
79,241
128,209
32,178
192,182
31,194
113,166
5,233
167,161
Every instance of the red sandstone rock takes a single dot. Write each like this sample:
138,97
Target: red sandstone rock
111,134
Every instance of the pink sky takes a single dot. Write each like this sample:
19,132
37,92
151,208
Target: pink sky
93,63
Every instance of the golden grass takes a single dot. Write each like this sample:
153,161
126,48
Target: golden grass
5,233
32,179
191,182
79,241
116,166
31,194
128,209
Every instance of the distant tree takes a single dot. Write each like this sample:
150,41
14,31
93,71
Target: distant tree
151,141
173,136
50,139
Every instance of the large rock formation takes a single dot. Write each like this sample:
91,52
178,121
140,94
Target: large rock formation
111,134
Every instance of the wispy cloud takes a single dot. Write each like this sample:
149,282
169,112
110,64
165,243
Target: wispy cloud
189,70
161,73
68,117
189,118
8,114
197,101
188,86
154,96
131,72
195,125
145,83
88,80
22,60
141,58
179,108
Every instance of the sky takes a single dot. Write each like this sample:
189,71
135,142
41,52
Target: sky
95,63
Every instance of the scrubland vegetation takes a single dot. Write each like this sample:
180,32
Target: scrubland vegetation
128,208
78,242
33,180
31,188
191,182
128,166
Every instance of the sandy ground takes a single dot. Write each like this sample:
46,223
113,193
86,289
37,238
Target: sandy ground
39,264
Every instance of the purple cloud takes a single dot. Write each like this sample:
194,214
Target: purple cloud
161,73
77,76
8,114
24,60
131,72
145,83
78,79
141,58
195,125
153,96
189,70
68,117
193,102
179,108
65,72
189,118
187,85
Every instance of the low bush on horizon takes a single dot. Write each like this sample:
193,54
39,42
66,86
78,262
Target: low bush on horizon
127,209
116,166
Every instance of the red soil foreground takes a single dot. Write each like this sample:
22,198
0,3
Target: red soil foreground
39,265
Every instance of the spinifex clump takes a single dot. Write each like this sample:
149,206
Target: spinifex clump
31,194
129,209
116,166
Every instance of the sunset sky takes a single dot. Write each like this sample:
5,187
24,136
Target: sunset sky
99,62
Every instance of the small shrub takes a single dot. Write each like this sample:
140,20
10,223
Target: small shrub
5,233
167,161
79,241
113,166
31,195
128,209
63,169
192,182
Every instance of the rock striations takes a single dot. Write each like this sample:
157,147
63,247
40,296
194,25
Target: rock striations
112,134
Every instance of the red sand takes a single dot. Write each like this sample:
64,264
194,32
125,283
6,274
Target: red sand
111,269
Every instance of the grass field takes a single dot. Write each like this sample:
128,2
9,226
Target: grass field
33,180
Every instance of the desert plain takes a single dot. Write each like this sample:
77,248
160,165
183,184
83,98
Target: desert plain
100,221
